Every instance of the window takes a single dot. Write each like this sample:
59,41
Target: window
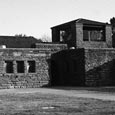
85,35
31,66
20,66
65,35
62,33
8,66
93,34
96,35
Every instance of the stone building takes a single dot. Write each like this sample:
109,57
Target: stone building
26,67
80,54
90,58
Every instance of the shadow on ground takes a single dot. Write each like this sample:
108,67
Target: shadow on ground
97,89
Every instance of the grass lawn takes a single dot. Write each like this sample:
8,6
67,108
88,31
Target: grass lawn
51,104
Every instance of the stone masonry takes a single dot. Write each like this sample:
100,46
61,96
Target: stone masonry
100,67
80,54
14,64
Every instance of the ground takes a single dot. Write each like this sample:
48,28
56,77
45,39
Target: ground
57,101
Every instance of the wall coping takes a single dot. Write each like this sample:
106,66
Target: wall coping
22,49
52,44
99,48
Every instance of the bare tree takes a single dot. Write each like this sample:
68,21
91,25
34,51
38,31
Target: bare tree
20,35
45,38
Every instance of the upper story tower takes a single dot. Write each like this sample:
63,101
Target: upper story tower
83,33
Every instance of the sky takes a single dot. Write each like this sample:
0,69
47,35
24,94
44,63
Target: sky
36,17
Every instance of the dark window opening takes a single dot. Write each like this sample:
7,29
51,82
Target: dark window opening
93,34
9,66
85,35
31,66
65,35
20,66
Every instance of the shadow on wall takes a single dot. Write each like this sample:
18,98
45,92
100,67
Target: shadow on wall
67,68
103,75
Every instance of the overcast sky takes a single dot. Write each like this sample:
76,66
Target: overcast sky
35,17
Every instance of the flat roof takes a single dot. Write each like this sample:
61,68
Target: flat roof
83,21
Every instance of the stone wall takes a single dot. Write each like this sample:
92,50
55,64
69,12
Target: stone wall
85,67
100,67
23,79
14,64
96,65
52,47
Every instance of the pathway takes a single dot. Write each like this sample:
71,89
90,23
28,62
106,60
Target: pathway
67,91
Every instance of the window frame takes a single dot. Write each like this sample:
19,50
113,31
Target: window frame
17,69
6,66
92,29
33,66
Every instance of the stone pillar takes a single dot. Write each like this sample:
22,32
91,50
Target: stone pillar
73,32
3,66
79,35
108,32
26,66
15,67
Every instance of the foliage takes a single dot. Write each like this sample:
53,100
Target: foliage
112,21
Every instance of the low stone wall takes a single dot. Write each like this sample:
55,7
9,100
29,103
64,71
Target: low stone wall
17,59
96,65
26,67
53,47
100,67
14,64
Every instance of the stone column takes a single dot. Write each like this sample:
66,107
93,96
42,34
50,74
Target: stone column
108,32
15,66
79,35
